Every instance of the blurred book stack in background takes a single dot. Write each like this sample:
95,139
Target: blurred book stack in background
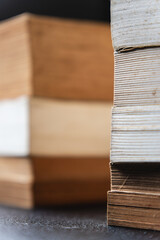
55,95
134,200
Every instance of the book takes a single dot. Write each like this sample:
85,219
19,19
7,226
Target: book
55,58
135,24
135,177
134,199
137,77
136,210
50,127
135,134
43,181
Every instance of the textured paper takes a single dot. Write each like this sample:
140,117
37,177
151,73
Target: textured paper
135,23
137,77
135,134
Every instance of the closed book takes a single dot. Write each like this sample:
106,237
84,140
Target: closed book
55,58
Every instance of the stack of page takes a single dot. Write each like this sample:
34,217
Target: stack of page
135,140
55,94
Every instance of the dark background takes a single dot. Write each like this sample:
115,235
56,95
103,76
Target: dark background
79,9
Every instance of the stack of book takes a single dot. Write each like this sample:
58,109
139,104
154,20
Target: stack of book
134,199
55,93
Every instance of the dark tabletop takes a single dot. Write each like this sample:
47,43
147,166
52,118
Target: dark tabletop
64,224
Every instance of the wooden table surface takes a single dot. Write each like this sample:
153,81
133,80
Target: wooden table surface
86,223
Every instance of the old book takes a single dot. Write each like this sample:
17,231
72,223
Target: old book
135,134
49,127
138,210
134,200
36,181
136,177
137,77
135,23
51,57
